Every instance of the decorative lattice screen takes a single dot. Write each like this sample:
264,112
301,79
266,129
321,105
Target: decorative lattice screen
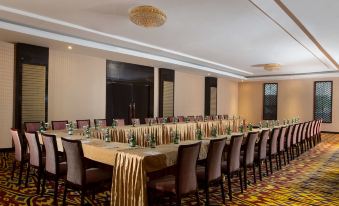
323,101
270,101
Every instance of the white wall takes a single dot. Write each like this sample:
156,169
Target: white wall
189,94
6,93
76,87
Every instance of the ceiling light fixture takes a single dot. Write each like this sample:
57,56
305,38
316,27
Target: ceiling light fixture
147,16
269,67
69,47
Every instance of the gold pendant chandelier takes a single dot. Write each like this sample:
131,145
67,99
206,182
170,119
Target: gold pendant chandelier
147,16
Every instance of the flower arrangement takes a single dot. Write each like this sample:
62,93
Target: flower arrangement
114,123
229,130
250,127
199,134
87,131
132,139
176,137
214,131
42,127
70,127
151,140
241,128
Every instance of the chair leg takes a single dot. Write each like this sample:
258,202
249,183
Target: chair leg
44,185
207,194
245,176
197,197
56,184
13,169
288,154
65,194
241,183
254,178
229,186
40,174
277,162
82,197
178,200
27,174
260,174
266,167
284,159
20,172
222,190
271,166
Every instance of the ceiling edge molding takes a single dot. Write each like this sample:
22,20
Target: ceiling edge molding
279,17
326,74
116,37
106,47
306,31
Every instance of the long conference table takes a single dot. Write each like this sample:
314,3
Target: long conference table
131,164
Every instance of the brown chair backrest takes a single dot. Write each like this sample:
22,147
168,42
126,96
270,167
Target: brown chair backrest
300,130
233,156
32,126
35,156
309,128
17,144
282,138
220,116
214,156
102,122
304,133
199,118
181,118
59,125
263,143
75,161
249,148
51,153
191,118
186,177
295,134
83,122
274,141
289,136
120,122
148,120
135,121
159,120
214,117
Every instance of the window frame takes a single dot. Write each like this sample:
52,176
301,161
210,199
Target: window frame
263,109
315,103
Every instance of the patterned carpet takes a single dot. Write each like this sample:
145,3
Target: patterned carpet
311,179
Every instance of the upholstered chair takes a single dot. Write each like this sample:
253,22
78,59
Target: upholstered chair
232,164
120,122
303,137
149,120
281,145
36,162
288,142
78,177
294,140
32,126
102,122
211,171
185,179
20,155
247,160
135,121
54,168
59,125
273,148
261,152
83,122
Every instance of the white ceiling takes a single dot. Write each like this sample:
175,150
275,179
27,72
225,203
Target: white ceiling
222,35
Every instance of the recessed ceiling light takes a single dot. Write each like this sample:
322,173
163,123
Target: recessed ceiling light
209,74
69,47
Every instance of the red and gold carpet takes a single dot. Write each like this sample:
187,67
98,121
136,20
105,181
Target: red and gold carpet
311,179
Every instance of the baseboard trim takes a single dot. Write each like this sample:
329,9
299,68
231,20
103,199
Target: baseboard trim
330,132
7,149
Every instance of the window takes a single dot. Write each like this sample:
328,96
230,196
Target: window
270,101
323,100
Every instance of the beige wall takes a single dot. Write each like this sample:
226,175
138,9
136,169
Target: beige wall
189,94
295,98
227,97
77,86
6,93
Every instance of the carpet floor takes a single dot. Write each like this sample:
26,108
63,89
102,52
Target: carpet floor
310,179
